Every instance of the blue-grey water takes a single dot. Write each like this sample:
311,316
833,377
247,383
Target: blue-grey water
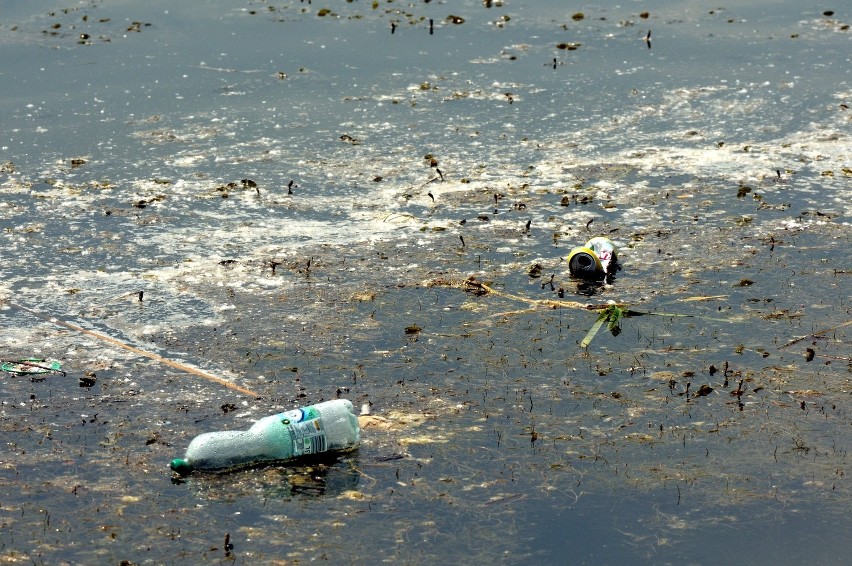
300,189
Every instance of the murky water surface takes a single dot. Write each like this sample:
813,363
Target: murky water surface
299,191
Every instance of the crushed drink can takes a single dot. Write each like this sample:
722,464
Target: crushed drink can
593,260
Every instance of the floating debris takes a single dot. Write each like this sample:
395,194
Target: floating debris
611,316
32,366
596,259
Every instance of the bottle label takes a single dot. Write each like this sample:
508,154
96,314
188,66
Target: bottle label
305,430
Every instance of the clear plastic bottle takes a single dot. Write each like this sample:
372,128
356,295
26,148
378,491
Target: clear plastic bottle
331,425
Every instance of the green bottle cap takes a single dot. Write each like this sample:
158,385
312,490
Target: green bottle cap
181,466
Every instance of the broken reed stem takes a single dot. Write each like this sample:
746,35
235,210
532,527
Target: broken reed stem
472,283
484,289
815,334
120,344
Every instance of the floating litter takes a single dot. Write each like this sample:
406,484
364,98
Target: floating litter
328,426
31,366
593,259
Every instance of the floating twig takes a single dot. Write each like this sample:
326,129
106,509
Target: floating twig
816,334
119,343
483,289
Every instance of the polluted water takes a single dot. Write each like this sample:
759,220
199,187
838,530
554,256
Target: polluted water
212,212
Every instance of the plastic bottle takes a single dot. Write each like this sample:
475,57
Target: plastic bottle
331,425
593,259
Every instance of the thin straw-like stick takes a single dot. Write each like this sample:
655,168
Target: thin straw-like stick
473,284
816,334
120,344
